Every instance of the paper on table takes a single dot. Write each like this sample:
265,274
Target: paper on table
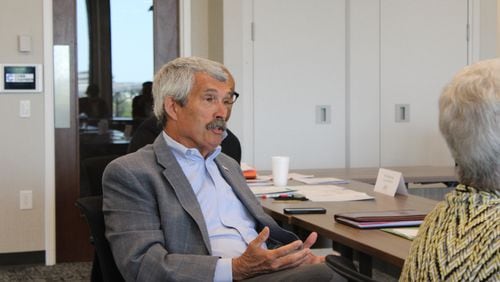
320,180
291,175
294,175
259,183
264,178
267,190
330,193
407,232
311,180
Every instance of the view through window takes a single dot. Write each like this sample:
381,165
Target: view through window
131,51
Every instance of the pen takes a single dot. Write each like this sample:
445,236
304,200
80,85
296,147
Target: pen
295,197
265,196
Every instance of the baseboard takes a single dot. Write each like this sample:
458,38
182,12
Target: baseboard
35,257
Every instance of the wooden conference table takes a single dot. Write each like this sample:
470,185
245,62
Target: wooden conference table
368,243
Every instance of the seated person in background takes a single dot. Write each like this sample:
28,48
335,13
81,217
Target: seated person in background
179,209
460,239
93,106
149,129
142,104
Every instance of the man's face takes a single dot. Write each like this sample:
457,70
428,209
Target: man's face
190,124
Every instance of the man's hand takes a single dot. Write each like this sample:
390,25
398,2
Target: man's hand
310,240
256,260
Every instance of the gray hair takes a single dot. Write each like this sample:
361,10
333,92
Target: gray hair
176,78
469,119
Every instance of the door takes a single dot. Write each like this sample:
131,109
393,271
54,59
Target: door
72,235
423,44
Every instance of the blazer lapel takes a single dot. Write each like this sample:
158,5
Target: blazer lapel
239,186
181,186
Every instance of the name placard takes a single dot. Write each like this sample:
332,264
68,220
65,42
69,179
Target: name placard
390,182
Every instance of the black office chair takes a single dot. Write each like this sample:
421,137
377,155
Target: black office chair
91,170
346,269
104,266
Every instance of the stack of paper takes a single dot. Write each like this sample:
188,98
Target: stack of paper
271,191
311,180
330,193
260,181
406,232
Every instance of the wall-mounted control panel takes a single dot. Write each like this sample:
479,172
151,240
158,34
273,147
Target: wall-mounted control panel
20,78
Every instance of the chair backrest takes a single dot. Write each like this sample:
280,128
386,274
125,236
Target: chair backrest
346,269
91,208
91,170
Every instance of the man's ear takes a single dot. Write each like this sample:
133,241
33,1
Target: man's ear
171,107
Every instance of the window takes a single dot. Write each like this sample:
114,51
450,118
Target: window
131,50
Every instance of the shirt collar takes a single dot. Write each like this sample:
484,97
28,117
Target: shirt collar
185,152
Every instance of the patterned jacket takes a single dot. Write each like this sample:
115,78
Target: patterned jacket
459,240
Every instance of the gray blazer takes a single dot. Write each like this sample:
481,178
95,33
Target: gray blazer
153,220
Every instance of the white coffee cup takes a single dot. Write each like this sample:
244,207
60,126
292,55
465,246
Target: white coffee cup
280,165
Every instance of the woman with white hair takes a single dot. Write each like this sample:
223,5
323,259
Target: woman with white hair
459,240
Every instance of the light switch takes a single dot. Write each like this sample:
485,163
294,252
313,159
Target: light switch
26,200
24,43
25,108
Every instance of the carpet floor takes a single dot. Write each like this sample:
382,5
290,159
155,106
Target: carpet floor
80,272
74,272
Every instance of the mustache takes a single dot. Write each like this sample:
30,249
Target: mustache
217,123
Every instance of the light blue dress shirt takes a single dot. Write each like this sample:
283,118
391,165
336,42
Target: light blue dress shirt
230,227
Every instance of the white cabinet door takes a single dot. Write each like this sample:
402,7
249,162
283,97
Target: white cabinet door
423,43
299,63
399,52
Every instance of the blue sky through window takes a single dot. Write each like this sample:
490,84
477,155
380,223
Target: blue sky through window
131,40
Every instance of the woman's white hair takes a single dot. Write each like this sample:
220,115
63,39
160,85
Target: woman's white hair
176,78
469,119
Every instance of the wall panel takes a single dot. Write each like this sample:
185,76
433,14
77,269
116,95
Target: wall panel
298,66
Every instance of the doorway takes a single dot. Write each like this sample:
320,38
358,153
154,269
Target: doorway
72,236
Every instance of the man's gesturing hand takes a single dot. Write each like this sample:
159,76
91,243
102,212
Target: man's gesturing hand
256,260
310,240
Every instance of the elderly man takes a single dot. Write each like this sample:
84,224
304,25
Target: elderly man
180,210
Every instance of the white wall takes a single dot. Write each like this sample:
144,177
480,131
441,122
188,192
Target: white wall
22,146
299,60
199,28
488,24
498,28
206,29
